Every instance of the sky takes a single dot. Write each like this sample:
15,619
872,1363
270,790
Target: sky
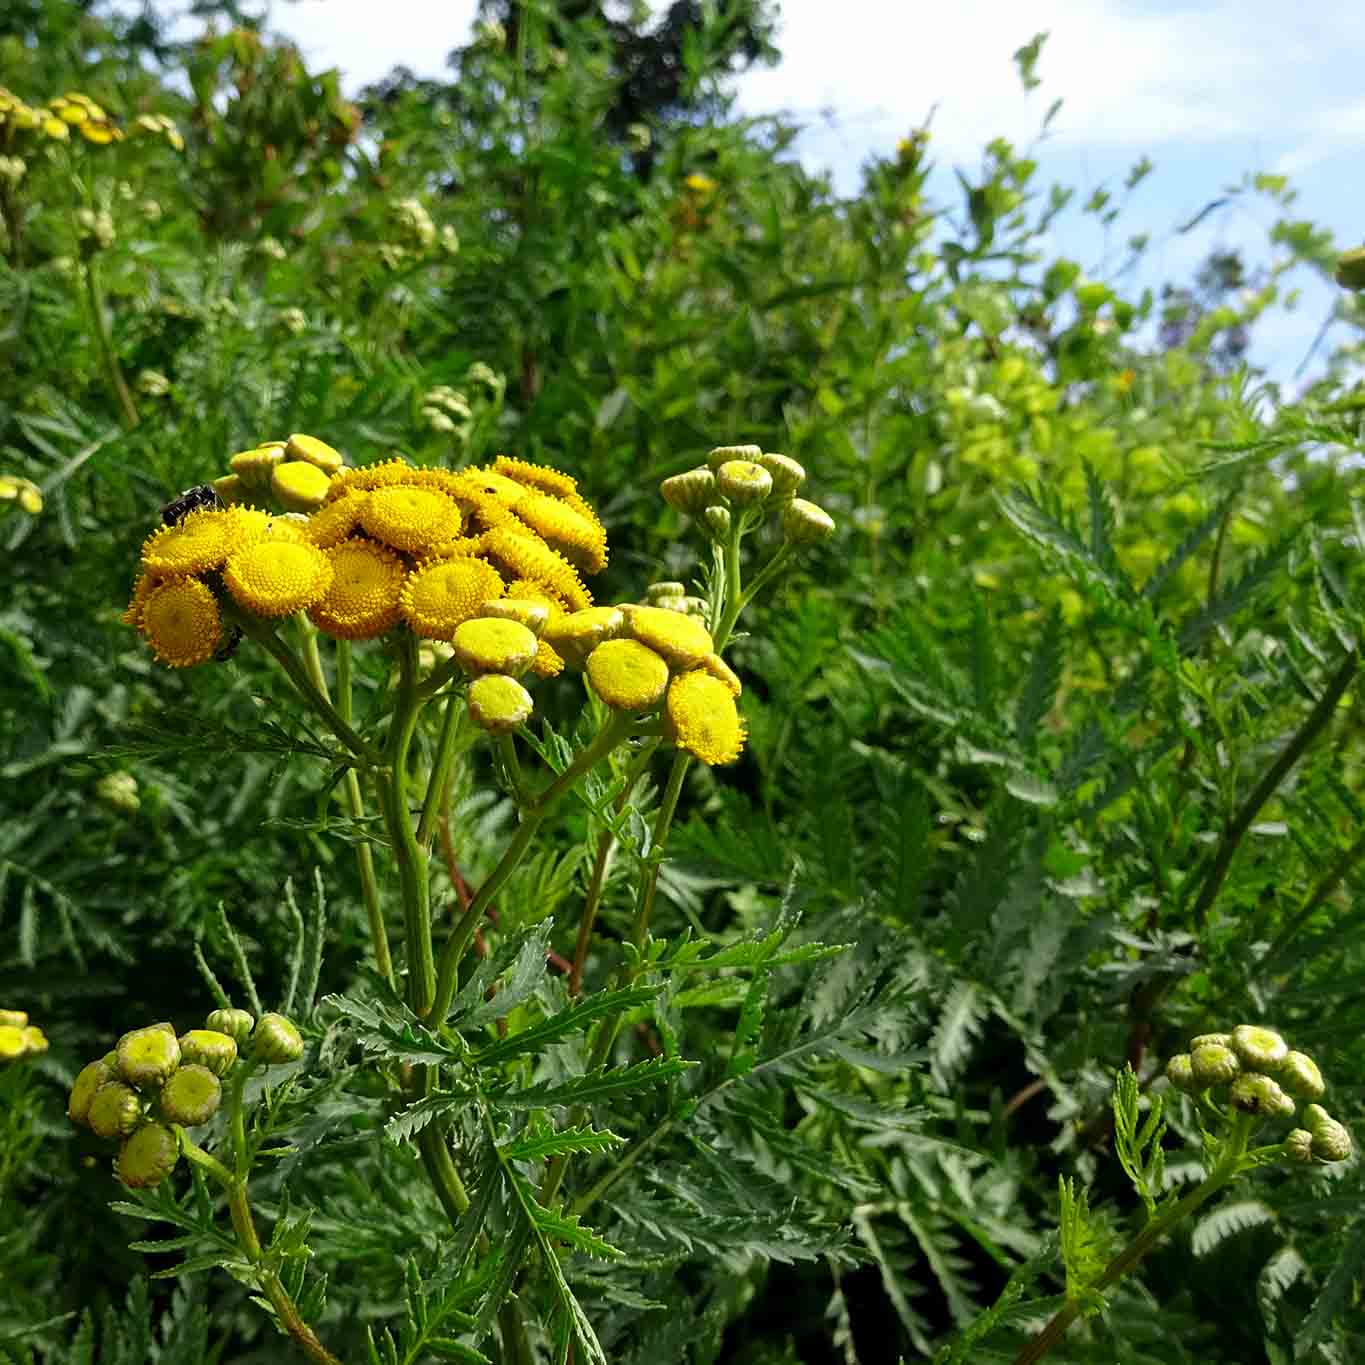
1209,90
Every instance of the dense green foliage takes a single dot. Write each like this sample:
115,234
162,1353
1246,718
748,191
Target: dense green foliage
1058,737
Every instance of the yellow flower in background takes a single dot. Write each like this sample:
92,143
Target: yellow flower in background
439,595
701,718
539,476
627,675
367,586
411,519
180,619
23,491
277,578
203,540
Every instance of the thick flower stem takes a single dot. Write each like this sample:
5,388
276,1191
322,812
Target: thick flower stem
1229,1165
94,298
440,769
355,806
392,781
239,1209
649,883
612,733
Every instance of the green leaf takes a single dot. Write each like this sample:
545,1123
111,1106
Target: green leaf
537,1143
577,1016
594,1087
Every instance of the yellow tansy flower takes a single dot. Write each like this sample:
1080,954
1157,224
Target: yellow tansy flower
720,670
132,615
487,645
299,485
442,593
330,525
276,578
367,584
411,519
682,640
627,675
369,477
580,538
254,467
181,622
532,615
549,663
576,634
702,719
498,703
203,540
552,481
527,557
314,452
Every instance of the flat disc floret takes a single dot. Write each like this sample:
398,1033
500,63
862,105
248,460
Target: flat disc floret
682,640
627,675
203,540
334,522
277,578
367,587
576,634
701,718
1258,1049
191,1096
147,1056
299,486
487,645
442,593
410,519
526,556
181,621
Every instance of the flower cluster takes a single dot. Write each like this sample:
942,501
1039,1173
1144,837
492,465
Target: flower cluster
153,1082
1264,1076
19,1038
750,481
58,117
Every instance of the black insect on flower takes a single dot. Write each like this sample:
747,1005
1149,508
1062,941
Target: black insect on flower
194,499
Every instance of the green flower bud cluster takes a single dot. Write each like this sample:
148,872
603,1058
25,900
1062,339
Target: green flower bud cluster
1263,1076
734,480
19,1038
154,1081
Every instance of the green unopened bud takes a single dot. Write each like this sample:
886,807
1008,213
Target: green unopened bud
84,1089
1298,1146
1180,1073
723,454
690,493
148,1056
744,482
803,523
191,1096
1350,272
1300,1076
1254,1093
119,790
115,1110
275,1040
1211,1040
148,1157
657,591
237,1024
1314,1116
1331,1141
787,474
1213,1064
210,1048
1259,1049
717,522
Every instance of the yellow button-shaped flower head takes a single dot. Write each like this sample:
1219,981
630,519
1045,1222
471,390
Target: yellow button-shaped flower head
115,1110
101,132
314,452
723,454
147,1157
690,492
577,633
331,524
498,703
277,578
682,640
191,1096
532,615
367,586
236,1024
527,556
209,1048
181,622
12,1044
203,540
411,519
627,675
744,482
579,537
439,595
84,1089
552,481
254,467
148,1056
486,645
14,1018
299,486
702,719
719,669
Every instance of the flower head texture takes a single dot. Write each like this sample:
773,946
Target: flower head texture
498,703
627,675
442,593
682,640
203,540
576,634
332,523
181,621
702,719
411,519
527,556
299,485
487,645
274,578
367,587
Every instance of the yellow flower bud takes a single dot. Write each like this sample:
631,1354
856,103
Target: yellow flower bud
682,640
148,1056
743,482
209,1048
312,451
147,1157
717,522
487,645
627,675
191,1096
86,1085
114,1111
1299,1074
576,634
254,467
275,1040
1331,1141
532,615
1180,1073
723,454
690,493
237,1024
787,474
1214,1064
1259,1049
299,486
498,703
803,523
1298,1146
14,1018
1254,1093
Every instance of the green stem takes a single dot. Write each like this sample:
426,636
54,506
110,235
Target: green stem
239,1209
1298,745
440,769
1229,1165
611,734
94,298
440,1169
392,782
355,806
237,1117
264,635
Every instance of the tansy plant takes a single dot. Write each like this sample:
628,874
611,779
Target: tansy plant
475,583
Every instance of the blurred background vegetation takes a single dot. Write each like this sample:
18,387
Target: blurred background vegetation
1014,731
